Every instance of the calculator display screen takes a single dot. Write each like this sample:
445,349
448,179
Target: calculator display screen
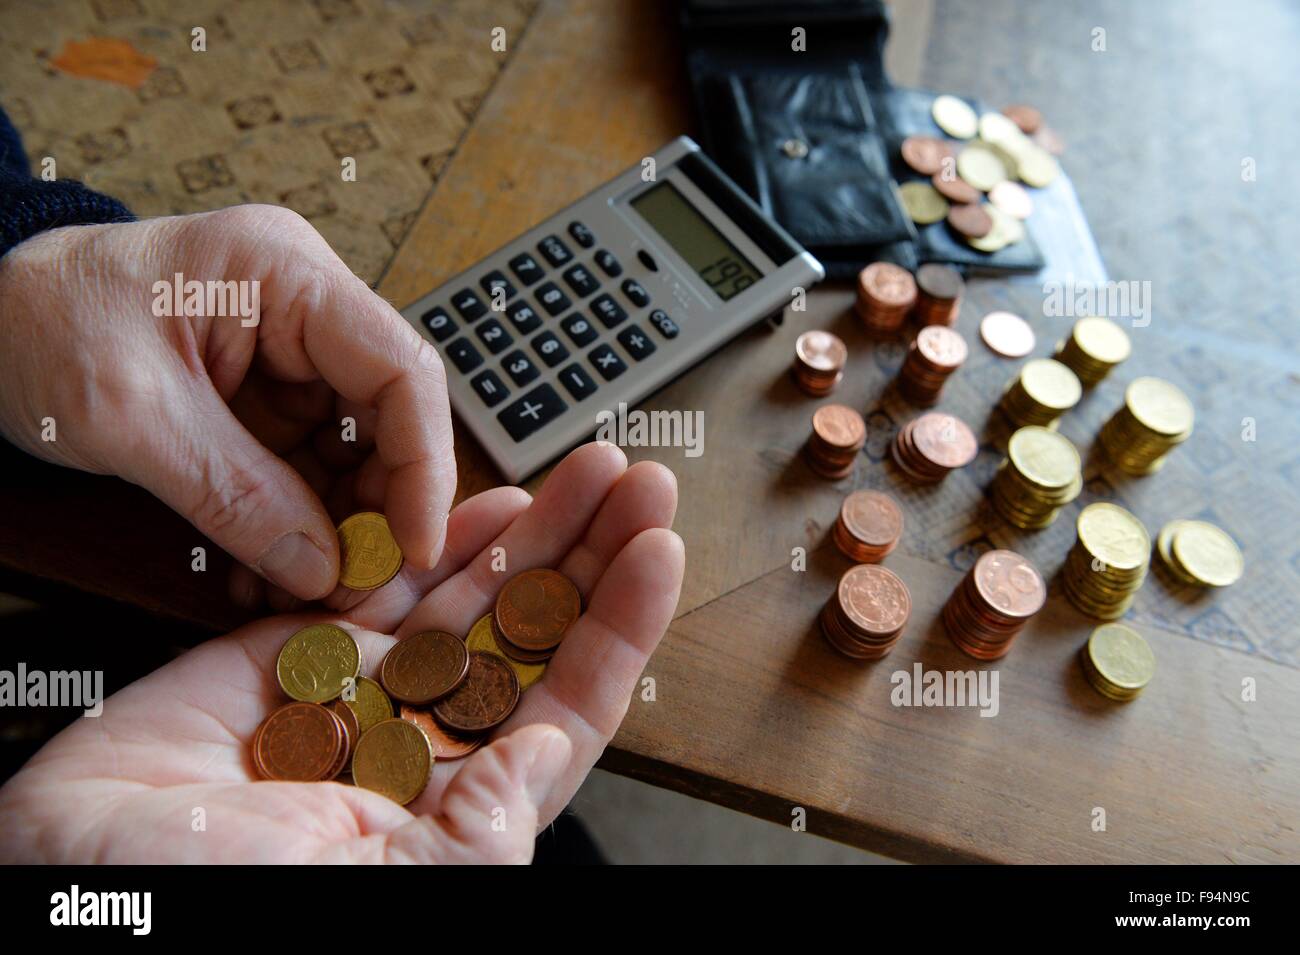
704,248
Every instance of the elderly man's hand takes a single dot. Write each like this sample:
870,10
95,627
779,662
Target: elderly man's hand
238,427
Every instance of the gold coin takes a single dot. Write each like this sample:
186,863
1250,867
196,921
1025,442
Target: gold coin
315,662
1159,406
954,117
1051,384
393,759
371,704
923,203
1036,166
1207,553
1048,459
481,638
981,166
1164,539
1007,230
1102,340
368,555
1121,657
996,128
1114,536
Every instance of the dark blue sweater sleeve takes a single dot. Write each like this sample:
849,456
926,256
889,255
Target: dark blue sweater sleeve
29,206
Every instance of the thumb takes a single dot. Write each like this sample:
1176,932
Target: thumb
206,466
489,810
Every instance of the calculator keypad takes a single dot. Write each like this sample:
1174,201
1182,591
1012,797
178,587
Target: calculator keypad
555,251
526,269
494,280
533,411
519,367
580,279
468,304
494,336
607,310
578,382
579,329
489,387
607,362
581,235
552,298
550,349
523,317
464,355
439,323
636,343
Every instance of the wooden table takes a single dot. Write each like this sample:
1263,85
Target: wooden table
752,709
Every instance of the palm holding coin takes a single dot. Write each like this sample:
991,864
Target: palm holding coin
173,748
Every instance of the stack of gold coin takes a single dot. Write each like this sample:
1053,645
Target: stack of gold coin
1108,562
1042,473
1200,554
1042,392
1094,346
927,448
819,359
866,615
886,293
936,353
1117,661
869,526
938,299
993,603
1155,418
838,434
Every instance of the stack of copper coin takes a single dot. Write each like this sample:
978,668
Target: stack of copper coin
886,293
993,603
1155,418
938,298
1042,473
869,526
838,434
819,359
936,353
865,616
533,613
1042,392
927,448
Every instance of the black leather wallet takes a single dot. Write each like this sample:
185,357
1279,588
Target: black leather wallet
793,101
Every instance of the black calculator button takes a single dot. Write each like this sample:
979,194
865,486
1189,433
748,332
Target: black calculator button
439,324
496,280
526,269
581,235
660,320
464,355
607,310
608,264
555,251
607,362
579,383
550,349
581,280
489,387
552,298
519,368
494,336
534,410
635,293
468,304
523,317
580,330
636,342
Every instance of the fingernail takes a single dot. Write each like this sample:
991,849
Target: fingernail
548,763
299,566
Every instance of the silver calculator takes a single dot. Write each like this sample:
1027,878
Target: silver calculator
606,302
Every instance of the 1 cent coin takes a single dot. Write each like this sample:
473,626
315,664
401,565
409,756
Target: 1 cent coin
424,667
535,609
486,698
444,743
299,742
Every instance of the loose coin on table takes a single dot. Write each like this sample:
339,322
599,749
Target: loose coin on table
923,202
393,759
368,555
1007,230
972,220
1012,199
954,116
485,699
315,663
1200,553
955,189
925,154
424,667
1026,117
981,166
1007,335
1117,661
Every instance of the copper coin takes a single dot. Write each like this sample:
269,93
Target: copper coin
839,426
345,745
889,284
925,154
872,517
486,698
444,743
939,281
945,440
299,742
351,725
424,667
1012,199
970,220
535,609
956,190
874,599
1047,138
941,346
821,351
1006,334
1009,583
1026,117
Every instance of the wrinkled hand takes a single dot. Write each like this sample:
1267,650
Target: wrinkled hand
124,787
237,428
